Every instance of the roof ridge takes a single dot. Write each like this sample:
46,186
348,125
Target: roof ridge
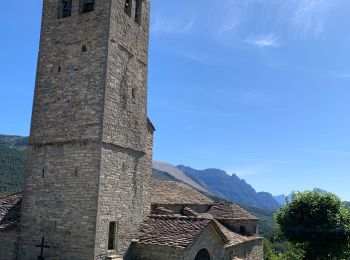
179,217
11,195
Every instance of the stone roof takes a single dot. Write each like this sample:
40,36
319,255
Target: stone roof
150,125
233,237
10,208
171,231
230,211
182,231
173,192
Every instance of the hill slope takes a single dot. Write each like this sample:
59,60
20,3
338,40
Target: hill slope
178,174
160,175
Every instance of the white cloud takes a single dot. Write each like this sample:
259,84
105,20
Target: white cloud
172,25
308,17
230,16
264,41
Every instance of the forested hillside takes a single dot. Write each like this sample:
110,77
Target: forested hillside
12,167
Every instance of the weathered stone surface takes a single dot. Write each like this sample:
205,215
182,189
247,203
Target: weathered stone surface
8,244
90,151
252,250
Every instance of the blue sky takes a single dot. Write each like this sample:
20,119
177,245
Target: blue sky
259,88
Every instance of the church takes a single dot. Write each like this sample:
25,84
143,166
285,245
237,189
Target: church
89,191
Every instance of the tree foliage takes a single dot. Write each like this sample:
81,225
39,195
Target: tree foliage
282,251
316,222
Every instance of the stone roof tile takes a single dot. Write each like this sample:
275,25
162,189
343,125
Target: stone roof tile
173,192
230,211
10,208
171,231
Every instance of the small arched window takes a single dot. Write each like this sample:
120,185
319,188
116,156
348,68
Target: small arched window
128,7
203,254
64,8
138,12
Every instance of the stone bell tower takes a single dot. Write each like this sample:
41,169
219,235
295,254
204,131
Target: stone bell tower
90,153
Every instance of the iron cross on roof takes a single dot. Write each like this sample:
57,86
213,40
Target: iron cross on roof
42,246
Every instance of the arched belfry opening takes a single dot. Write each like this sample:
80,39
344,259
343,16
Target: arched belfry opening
203,254
64,8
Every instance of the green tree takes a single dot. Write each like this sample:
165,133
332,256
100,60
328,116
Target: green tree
269,254
318,223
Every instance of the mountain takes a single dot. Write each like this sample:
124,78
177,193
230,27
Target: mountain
232,188
281,199
319,190
14,141
266,223
12,168
178,174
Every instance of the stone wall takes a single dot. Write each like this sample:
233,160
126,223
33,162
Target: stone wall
250,226
123,192
210,241
89,159
60,200
251,250
154,252
125,118
8,245
60,197
69,90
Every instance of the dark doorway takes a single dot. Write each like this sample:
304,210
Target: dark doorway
202,255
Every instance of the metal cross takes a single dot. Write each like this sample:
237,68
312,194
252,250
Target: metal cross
42,246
